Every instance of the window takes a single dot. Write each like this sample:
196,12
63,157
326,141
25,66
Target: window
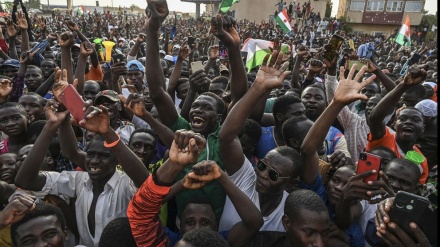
377,33
357,5
394,6
414,6
375,5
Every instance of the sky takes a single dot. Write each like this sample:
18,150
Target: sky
177,5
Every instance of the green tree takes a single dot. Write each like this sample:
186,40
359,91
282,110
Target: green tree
33,4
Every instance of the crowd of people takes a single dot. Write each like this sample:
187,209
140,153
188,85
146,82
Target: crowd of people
177,143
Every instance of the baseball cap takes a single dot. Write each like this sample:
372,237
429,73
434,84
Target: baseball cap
135,65
109,94
169,58
429,83
176,47
162,52
427,107
77,45
11,62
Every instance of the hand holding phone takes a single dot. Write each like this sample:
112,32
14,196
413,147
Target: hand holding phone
73,102
409,208
196,66
333,47
368,162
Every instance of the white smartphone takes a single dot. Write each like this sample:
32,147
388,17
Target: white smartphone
196,66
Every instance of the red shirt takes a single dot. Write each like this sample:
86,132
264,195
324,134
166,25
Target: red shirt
389,140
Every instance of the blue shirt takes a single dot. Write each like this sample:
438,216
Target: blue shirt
354,232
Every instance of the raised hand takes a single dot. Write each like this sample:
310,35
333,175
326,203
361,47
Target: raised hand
87,48
72,26
21,20
224,29
348,89
5,88
316,66
42,24
66,39
27,56
414,76
201,174
156,11
135,104
16,209
213,52
11,28
97,119
141,38
271,75
60,83
54,116
186,147
198,81
183,51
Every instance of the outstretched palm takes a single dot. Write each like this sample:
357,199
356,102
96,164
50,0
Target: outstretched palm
271,75
348,88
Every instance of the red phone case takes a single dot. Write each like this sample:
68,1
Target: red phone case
73,102
368,162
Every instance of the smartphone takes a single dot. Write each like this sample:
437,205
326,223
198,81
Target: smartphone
196,66
408,208
333,46
368,162
190,42
358,62
73,102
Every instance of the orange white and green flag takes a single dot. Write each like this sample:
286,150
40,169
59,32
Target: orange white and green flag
283,20
404,36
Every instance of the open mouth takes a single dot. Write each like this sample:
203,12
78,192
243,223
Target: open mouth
408,130
197,122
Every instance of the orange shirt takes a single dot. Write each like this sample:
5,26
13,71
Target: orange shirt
389,140
95,74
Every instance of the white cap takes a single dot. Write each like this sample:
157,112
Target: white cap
427,107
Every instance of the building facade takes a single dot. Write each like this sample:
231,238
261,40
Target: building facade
379,16
259,10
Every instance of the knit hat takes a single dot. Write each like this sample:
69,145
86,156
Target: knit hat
427,107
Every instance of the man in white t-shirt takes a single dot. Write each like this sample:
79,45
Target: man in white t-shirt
266,186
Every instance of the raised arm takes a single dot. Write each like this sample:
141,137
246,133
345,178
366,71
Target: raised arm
347,92
378,114
28,176
135,105
175,75
86,50
270,76
225,30
98,120
251,218
66,41
135,49
157,12
145,205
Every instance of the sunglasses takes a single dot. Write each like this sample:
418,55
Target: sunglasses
273,174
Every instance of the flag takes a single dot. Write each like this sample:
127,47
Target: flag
80,10
226,5
256,51
404,36
283,20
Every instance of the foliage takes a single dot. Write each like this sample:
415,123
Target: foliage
33,4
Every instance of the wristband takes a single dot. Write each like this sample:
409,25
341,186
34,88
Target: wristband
110,145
